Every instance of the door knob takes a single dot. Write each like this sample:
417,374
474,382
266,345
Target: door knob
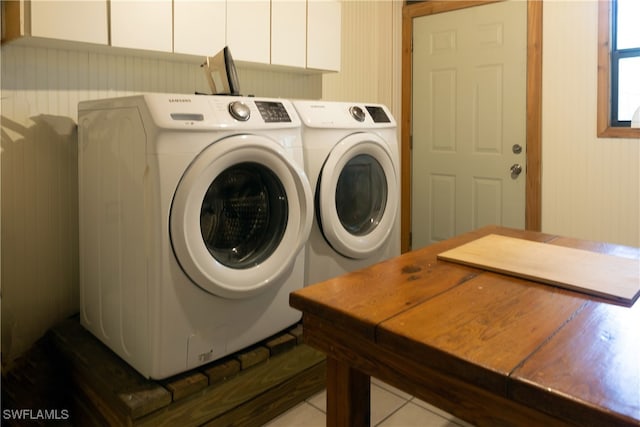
516,170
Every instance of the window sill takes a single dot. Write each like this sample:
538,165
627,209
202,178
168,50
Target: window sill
618,132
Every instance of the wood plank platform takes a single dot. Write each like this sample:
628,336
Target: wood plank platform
248,388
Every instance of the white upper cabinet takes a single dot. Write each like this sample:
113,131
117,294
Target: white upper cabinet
249,30
324,23
289,32
62,20
142,24
299,34
199,27
67,20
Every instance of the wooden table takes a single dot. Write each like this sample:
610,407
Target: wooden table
488,348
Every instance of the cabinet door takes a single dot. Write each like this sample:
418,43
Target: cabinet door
199,27
324,22
289,32
248,30
142,24
83,21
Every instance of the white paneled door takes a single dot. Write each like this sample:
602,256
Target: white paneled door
469,120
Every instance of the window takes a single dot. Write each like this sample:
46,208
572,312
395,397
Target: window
618,67
625,61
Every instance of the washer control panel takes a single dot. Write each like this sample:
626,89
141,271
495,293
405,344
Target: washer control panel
179,111
273,112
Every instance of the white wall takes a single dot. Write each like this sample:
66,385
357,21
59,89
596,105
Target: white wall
371,55
590,185
40,91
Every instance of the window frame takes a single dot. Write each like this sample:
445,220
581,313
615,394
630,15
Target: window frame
605,106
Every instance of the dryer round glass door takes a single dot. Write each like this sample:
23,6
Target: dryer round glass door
240,215
361,195
357,195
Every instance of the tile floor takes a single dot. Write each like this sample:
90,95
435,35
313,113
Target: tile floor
390,407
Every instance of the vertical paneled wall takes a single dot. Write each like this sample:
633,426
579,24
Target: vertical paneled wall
590,185
371,55
41,88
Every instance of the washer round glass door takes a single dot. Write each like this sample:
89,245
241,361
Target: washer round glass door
244,215
357,195
240,215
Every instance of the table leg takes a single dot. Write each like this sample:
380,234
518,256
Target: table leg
348,396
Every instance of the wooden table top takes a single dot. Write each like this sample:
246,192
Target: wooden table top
571,355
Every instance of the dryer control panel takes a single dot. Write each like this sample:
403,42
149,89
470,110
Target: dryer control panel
343,115
377,114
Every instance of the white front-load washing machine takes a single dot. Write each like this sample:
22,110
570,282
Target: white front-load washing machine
194,211
352,162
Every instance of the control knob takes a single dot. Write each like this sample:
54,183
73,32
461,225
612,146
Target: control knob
239,111
357,113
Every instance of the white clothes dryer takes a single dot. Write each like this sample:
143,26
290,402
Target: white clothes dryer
352,162
194,211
